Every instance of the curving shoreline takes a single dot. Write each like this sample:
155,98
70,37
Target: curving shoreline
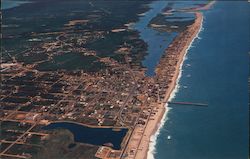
173,89
194,29
166,79
168,72
187,39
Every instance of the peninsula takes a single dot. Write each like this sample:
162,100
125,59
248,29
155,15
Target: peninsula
167,73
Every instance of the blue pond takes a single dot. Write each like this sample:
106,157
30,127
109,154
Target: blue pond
94,136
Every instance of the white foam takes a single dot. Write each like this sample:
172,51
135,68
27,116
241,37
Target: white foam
153,138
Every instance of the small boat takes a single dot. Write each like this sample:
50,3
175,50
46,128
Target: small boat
169,137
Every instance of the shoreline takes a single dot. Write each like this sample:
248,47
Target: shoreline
142,143
143,139
161,117
171,94
174,85
200,8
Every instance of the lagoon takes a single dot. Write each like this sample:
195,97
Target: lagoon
157,41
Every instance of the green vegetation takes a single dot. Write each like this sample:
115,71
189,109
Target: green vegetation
165,24
60,144
72,61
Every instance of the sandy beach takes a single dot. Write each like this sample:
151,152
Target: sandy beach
145,136
138,146
194,29
200,8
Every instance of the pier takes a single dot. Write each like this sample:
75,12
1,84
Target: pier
188,104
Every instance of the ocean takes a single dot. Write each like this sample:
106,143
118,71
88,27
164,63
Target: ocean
215,72
7,4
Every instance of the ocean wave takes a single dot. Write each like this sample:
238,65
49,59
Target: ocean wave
153,138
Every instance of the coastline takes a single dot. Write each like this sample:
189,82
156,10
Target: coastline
142,142
170,95
161,117
141,145
143,139
174,85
